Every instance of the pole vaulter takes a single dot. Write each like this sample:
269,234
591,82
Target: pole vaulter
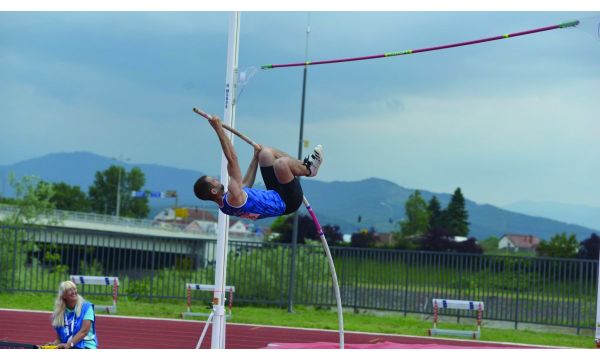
315,220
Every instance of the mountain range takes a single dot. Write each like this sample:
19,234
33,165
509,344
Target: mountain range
352,205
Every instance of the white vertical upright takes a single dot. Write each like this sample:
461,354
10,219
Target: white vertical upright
218,331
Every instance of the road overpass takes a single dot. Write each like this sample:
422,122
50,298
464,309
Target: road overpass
125,235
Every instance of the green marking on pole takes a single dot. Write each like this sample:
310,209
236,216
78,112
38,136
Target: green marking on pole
406,52
569,24
506,36
264,67
308,63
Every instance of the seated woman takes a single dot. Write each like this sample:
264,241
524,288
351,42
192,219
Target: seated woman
73,319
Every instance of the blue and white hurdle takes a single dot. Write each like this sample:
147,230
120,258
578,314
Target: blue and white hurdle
205,287
458,305
100,280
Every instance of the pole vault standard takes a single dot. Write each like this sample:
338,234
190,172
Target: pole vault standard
336,287
218,331
441,47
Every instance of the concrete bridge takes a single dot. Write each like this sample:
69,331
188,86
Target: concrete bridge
126,235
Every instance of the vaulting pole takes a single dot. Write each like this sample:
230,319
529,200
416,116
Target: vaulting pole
218,331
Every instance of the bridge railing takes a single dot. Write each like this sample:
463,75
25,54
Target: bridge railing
64,215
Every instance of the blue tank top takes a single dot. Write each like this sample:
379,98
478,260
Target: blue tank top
259,204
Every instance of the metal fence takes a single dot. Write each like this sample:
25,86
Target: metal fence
546,291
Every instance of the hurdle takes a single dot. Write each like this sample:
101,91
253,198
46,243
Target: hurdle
100,280
205,287
459,305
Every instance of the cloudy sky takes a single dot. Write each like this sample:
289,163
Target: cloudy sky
509,120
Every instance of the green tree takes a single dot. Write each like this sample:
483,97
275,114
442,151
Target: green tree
103,192
560,245
279,227
417,216
32,201
489,244
589,248
67,197
456,216
31,206
405,242
284,226
436,216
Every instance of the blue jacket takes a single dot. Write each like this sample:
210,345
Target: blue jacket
73,325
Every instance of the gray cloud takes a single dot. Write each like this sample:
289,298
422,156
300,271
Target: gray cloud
506,121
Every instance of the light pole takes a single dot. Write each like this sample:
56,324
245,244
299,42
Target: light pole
300,143
121,158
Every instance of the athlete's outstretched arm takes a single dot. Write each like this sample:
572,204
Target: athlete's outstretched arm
251,172
233,165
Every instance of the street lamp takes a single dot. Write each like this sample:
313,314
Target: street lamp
121,158
300,143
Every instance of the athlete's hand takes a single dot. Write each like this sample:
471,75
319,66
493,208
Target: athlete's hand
257,150
214,121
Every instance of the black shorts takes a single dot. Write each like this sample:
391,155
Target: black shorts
291,193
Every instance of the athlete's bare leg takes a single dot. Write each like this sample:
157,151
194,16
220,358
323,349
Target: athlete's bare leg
286,167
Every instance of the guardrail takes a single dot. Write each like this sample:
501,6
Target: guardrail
90,217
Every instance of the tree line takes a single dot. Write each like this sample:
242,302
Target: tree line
429,227
101,197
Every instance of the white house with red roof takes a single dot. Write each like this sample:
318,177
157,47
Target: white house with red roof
518,243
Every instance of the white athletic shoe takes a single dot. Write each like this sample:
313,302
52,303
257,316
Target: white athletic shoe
314,160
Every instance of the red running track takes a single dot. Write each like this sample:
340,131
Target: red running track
121,332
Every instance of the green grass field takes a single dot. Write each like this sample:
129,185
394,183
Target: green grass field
388,323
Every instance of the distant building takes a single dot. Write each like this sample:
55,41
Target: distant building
519,243
238,227
202,221
202,226
185,216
